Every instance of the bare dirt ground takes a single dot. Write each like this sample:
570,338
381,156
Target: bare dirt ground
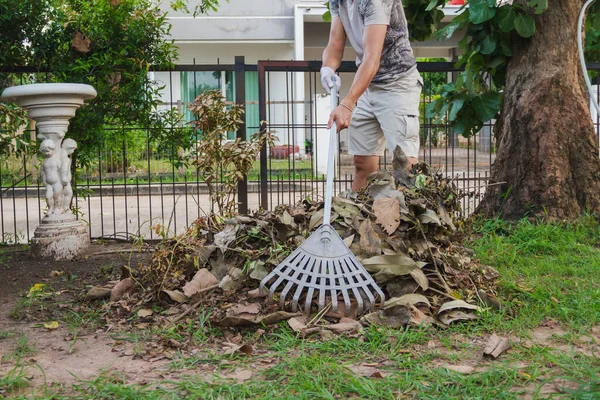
64,357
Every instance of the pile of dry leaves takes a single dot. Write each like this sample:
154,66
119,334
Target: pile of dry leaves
405,230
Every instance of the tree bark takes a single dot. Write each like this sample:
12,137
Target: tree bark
547,162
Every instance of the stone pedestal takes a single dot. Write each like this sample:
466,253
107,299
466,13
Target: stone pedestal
60,239
60,236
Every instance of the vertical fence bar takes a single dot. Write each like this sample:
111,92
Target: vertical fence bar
100,190
125,167
262,116
240,100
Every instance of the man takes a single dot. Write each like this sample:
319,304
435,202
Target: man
382,105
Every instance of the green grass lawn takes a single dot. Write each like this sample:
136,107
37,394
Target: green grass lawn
550,287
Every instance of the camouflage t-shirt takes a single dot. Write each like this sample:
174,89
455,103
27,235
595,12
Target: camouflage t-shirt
397,58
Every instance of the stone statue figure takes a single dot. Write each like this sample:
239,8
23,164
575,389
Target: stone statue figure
51,176
68,147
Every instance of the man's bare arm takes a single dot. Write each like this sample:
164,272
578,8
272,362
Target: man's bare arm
333,53
373,39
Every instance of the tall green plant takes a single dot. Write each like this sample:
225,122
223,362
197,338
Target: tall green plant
109,44
222,163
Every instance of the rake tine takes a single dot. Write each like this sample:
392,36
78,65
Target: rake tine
301,286
324,284
346,300
367,291
334,272
311,280
301,266
280,271
351,278
308,300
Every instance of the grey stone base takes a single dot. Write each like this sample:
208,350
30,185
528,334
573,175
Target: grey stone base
64,240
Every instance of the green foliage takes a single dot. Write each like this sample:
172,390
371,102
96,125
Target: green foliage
20,22
491,30
112,46
223,164
12,123
204,7
422,16
592,39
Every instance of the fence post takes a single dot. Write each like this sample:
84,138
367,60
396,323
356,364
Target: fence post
262,111
240,100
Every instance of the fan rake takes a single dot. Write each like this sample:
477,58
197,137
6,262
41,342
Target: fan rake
323,264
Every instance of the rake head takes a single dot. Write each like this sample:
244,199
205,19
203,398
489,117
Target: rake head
323,265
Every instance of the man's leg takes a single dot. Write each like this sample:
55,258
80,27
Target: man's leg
396,106
412,161
363,167
365,141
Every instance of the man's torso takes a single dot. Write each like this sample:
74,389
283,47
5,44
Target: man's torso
397,58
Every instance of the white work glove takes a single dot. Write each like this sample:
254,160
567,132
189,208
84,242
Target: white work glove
329,78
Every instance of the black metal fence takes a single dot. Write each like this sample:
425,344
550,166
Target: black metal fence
133,189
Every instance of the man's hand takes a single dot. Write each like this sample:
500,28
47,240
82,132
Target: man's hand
341,116
329,78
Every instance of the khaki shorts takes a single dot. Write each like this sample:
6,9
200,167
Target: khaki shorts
387,113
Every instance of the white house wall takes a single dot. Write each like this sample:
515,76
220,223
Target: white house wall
224,53
237,20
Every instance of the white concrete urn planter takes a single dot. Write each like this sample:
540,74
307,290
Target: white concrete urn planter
60,236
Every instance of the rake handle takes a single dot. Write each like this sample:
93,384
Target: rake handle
330,159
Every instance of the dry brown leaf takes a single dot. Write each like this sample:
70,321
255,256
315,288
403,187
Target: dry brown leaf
420,278
244,310
367,370
115,3
81,43
203,279
176,295
297,323
429,217
419,318
145,312
233,348
346,325
463,369
370,243
240,375
348,241
456,315
98,292
316,219
495,346
405,300
454,304
120,289
255,293
387,211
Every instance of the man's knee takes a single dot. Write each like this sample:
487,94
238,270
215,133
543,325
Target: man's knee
366,164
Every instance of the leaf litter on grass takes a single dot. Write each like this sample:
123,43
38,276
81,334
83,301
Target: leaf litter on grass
405,229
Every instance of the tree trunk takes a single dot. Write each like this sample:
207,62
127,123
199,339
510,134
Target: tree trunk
547,161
